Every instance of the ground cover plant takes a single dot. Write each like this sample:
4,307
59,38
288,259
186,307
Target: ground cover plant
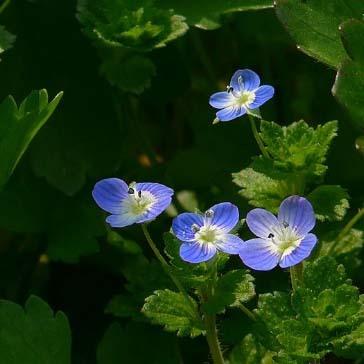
181,182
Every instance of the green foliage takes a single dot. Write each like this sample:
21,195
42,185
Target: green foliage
321,315
349,84
314,26
131,24
6,39
232,288
329,202
175,312
123,345
19,125
33,335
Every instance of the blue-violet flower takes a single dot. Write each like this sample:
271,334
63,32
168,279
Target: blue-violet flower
203,235
242,95
285,240
129,204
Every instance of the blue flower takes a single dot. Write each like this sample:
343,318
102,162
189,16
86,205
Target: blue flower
285,240
243,95
136,203
203,235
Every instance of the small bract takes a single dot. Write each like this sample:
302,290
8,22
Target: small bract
202,235
242,95
130,204
285,240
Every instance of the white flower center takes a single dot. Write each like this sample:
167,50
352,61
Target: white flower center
242,98
138,202
285,238
208,234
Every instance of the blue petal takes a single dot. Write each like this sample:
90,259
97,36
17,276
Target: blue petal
109,193
220,100
182,225
261,222
259,254
226,216
300,253
298,213
230,244
230,113
163,196
262,95
245,80
196,253
121,220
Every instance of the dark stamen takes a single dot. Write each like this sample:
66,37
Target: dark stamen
285,224
140,194
270,236
230,89
131,191
209,213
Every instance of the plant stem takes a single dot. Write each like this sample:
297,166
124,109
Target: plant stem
166,268
257,136
296,275
210,323
246,310
4,5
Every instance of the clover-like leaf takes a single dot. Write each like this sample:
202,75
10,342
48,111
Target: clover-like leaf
134,24
314,26
19,125
33,335
175,312
232,288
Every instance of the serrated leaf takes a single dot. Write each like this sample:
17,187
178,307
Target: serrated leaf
330,203
206,14
314,26
137,25
130,74
6,39
33,335
349,83
19,126
173,311
232,288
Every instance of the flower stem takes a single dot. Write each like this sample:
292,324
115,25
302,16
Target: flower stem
210,322
296,275
167,269
257,136
4,5
249,313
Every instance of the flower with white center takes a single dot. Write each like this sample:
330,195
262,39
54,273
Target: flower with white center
242,96
203,235
285,240
136,203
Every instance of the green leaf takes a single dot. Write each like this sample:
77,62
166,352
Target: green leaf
19,126
137,344
349,83
250,351
130,74
137,25
6,39
206,14
188,200
329,202
33,335
232,288
174,312
314,26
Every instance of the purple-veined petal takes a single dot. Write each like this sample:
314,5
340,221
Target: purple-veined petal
226,216
262,95
301,252
230,113
298,213
121,220
109,193
261,222
196,253
245,80
259,254
221,100
182,225
157,189
230,244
